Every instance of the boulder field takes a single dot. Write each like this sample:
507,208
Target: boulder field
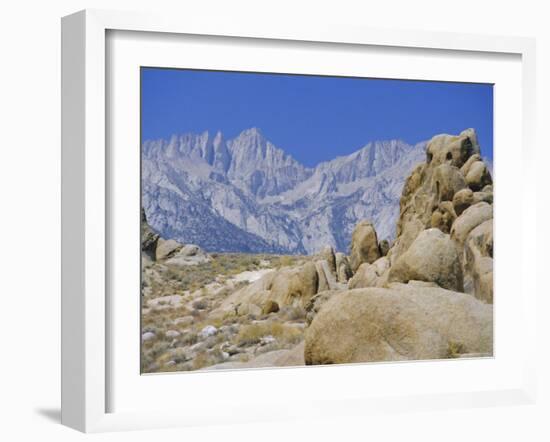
426,295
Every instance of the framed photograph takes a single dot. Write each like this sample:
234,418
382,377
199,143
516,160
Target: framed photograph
318,214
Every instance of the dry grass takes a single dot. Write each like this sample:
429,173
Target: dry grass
455,349
222,266
168,353
253,333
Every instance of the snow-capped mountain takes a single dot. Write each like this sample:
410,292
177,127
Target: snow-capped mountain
247,195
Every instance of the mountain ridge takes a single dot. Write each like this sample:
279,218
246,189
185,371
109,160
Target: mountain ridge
263,191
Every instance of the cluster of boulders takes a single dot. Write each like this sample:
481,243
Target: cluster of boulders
426,295
291,286
445,225
169,251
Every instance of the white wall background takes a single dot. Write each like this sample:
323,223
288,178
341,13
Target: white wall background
30,215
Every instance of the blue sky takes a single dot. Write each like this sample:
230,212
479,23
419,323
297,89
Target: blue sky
313,118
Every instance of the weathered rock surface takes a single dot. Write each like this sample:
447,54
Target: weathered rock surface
432,257
444,216
327,254
364,245
370,275
295,286
466,166
437,180
149,238
478,260
452,149
472,217
316,302
327,280
462,200
293,357
287,286
167,248
187,255
478,176
343,268
447,180
400,323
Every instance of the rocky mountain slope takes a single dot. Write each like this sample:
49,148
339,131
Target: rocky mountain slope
246,195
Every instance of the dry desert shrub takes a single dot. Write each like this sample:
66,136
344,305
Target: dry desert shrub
253,333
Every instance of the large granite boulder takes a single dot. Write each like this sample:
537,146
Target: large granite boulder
403,322
364,245
462,200
432,257
478,176
472,217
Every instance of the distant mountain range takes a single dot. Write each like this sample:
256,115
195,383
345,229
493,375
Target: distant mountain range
246,195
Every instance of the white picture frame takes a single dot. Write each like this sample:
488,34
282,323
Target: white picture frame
85,210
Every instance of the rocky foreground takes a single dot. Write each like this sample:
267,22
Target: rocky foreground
428,295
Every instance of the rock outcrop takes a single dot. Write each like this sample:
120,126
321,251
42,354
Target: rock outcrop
402,322
149,238
432,257
289,286
343,268
328,255
451,192
442,176
364,245
370,275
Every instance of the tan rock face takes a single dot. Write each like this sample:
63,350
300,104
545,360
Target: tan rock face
444,216
167,248
472,217
437,180
452,150
328,255
295,285
462,200
284,287
317,301
364,245
478,176
447,180
400,323
327,279
369,275
466,167
432,257
343,269
478,260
